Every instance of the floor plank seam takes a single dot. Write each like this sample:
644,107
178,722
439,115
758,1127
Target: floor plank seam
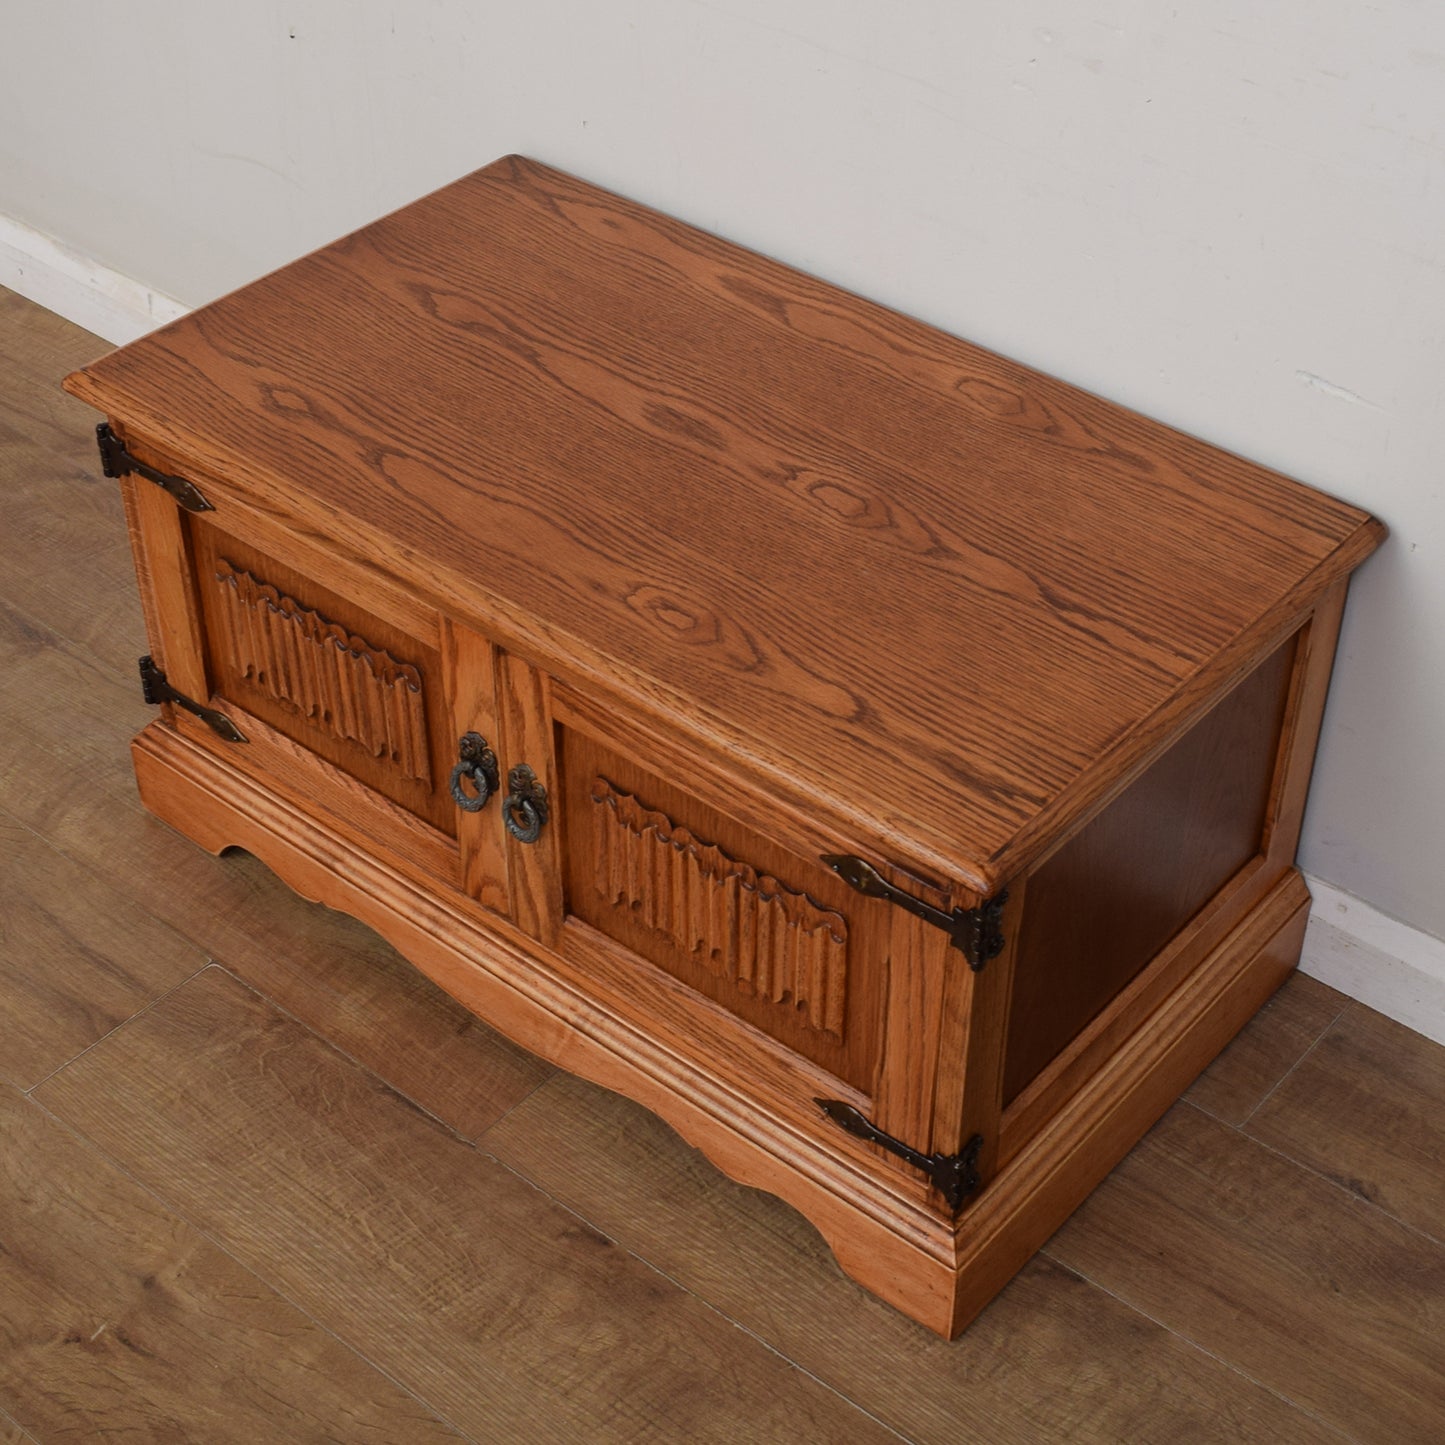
88,1143
532,1184
705,1303
512,1108
108,668
1194,1344
22,1433
351,1059
466,1143
133,803
1438,1242
1280,1082
130,1019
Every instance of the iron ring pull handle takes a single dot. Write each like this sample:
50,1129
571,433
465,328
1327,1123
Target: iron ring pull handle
524,809
477,761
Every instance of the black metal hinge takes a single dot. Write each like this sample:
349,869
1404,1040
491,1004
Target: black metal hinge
976,932
115,461
955,1176
156,689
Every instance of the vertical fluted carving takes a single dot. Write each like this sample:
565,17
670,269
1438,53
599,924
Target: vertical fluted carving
770,941
340,682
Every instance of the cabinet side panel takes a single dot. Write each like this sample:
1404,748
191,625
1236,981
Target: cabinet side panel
1106,902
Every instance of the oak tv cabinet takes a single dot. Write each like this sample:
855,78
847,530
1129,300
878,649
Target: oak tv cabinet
880,760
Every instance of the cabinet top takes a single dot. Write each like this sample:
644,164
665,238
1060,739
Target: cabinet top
947,602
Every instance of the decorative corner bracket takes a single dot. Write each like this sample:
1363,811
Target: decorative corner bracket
976,932
156,688
116,461
955,1176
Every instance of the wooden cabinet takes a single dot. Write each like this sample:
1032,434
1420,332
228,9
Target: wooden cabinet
883,761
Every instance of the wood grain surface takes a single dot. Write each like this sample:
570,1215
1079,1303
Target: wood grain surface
535,1325
469,682
1366,1107
623,907
1055,1358
1170,1233
1104,904
322,967
601,1013
77,957
1113,1374
946,599
118,1320
1269,1047
602,491
74,789
12,1434
164,571
527,739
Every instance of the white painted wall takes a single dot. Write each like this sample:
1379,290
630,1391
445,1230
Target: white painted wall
1226,214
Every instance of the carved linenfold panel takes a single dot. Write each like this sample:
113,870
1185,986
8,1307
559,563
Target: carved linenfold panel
771,941
340,682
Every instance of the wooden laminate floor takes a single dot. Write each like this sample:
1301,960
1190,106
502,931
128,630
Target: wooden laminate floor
259,1181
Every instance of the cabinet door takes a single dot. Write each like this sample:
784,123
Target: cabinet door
334,680
322,669
703,909
699,918
767,934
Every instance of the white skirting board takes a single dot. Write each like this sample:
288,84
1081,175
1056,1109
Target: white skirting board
1388,965
1395,969
79,288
